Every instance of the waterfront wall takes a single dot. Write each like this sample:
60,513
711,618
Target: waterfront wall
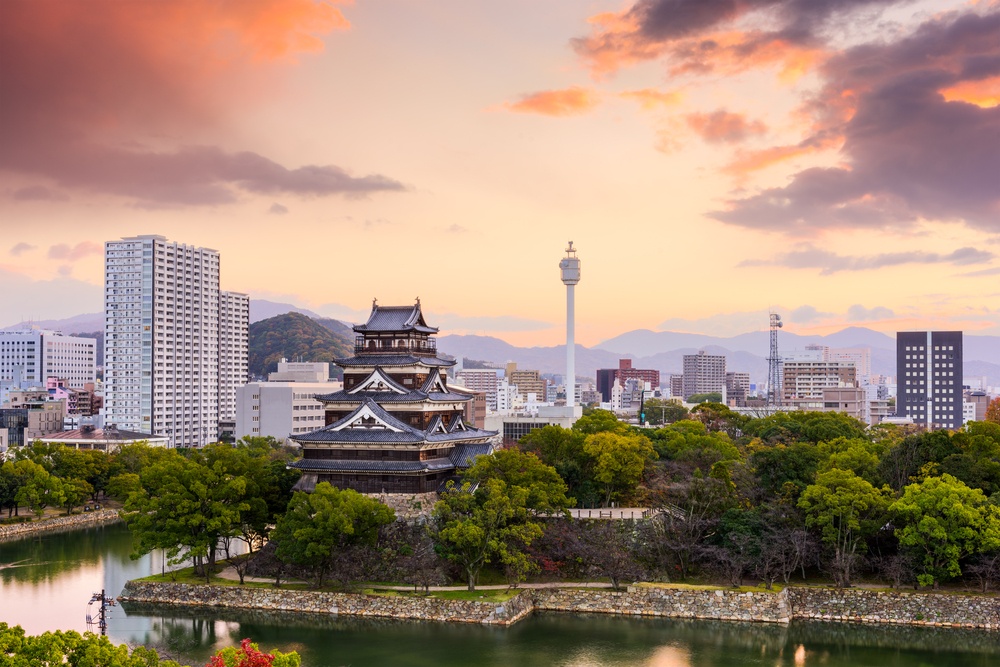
18,530
351,604
893,606
827,604
718,604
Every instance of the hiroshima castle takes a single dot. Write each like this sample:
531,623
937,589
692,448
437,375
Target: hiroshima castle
396,427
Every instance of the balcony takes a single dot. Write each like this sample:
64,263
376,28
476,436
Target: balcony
401,346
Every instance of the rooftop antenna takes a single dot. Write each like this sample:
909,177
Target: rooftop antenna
774,364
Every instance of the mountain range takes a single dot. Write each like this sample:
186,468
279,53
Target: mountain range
660,350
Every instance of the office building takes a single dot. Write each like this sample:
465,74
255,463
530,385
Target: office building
164,318
28,357
704,374
606,377
929,378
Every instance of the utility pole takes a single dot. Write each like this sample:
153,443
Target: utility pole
102,614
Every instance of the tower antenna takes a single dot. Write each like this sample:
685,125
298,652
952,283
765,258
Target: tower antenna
774,364
569,267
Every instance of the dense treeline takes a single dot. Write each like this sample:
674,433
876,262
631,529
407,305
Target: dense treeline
817,496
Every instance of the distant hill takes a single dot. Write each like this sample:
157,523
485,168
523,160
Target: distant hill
293,336
336,326
76,325
262,309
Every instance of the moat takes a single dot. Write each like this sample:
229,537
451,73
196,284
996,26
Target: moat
46,582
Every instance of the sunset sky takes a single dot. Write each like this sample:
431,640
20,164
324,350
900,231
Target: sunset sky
835,160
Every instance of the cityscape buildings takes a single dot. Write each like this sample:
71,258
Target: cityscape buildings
929,376
704,374
606,377
174,344
28,357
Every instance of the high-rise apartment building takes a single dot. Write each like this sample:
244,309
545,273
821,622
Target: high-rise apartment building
485,380
806,380
929,377
527,382
704,374
166,372
30,356
234,335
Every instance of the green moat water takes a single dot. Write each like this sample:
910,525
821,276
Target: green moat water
46,582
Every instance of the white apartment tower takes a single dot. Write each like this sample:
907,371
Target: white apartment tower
164,320
234,334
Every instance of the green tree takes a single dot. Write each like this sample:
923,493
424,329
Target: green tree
856,454
319,525
517,469
562,449
846,509
600,421
58,648
664,411
185,507
619,461
710,397
944,520
14,475
784,470
40,491
75,492
490,524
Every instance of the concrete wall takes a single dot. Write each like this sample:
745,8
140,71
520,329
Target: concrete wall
856,605
19,530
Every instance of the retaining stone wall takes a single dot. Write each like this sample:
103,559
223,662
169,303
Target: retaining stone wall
428,609
827,604
725,605
73,521
898,607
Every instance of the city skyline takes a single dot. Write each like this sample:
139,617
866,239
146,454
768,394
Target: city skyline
833,161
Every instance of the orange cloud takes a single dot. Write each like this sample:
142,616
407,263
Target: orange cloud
650,98
747,162
566,102
984,93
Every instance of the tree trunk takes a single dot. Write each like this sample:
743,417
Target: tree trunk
472,579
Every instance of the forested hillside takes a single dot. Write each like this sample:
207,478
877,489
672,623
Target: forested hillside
295,336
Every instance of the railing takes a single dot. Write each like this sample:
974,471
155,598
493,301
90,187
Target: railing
394,346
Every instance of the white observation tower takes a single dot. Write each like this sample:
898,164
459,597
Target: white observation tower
569,266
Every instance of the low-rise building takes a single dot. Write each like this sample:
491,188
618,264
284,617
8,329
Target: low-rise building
280,409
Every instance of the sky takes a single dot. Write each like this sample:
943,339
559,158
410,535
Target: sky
835,161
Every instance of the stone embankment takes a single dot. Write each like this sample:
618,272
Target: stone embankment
862,605
18,530
829,604
352,604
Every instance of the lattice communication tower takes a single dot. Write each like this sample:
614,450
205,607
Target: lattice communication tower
774,364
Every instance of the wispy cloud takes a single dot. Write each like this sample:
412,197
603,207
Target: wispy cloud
38,193
807,256
22,248
65,252
277,209
565,102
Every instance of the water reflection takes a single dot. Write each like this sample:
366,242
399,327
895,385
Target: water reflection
48,580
